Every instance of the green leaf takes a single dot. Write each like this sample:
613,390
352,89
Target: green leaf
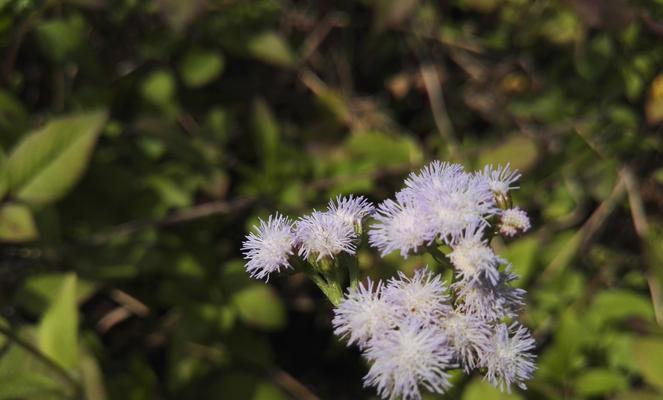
40,290
24,376
159,87
271,48
522,253
614,305
16,223
518,150
50,160
596,382
258,305
647,359
480,390
266,131
59,38
58,329
383,149
201,67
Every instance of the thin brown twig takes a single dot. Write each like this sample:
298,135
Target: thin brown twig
438,108
296,389
188,214
588,230
319,33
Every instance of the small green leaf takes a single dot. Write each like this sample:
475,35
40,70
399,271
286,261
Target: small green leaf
266,131
16,223
59,38
271,48
480,390
647,359
40,290
522,253
58,329
49,161
159,87
258,305
596,382
518,150
613,305
201,67
383,149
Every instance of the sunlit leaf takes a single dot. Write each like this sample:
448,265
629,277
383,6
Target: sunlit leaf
647,356
50,160
595,382
58,328
200,67
16,223
272,48
258,305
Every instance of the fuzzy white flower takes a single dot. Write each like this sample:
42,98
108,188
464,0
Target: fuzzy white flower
422,297
489,302
407,358
472,256
433,176
363,314
267,250
513,221
450,199
351,209
323,235
400,226
508,359
468,336
500,179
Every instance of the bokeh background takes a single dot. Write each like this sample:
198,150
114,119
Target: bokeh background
142,139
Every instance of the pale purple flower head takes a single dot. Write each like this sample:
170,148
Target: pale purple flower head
351,209
473,258
500,179
513,221
468,336
267,250
489,302
508,359
323,235
363,314
407,358
422,297
450,199
400,226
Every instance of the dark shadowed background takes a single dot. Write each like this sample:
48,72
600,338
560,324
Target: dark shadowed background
140,140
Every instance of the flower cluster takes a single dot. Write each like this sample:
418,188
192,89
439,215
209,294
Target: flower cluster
316,236
413,330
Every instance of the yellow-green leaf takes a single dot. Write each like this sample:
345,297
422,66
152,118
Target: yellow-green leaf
16,223
600,381
518,150
50,160
271,48
58,329
200,67
258,305
647,359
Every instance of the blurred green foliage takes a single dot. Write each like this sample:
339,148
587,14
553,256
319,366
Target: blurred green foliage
140,140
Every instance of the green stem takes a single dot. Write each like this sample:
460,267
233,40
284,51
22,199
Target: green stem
440,257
